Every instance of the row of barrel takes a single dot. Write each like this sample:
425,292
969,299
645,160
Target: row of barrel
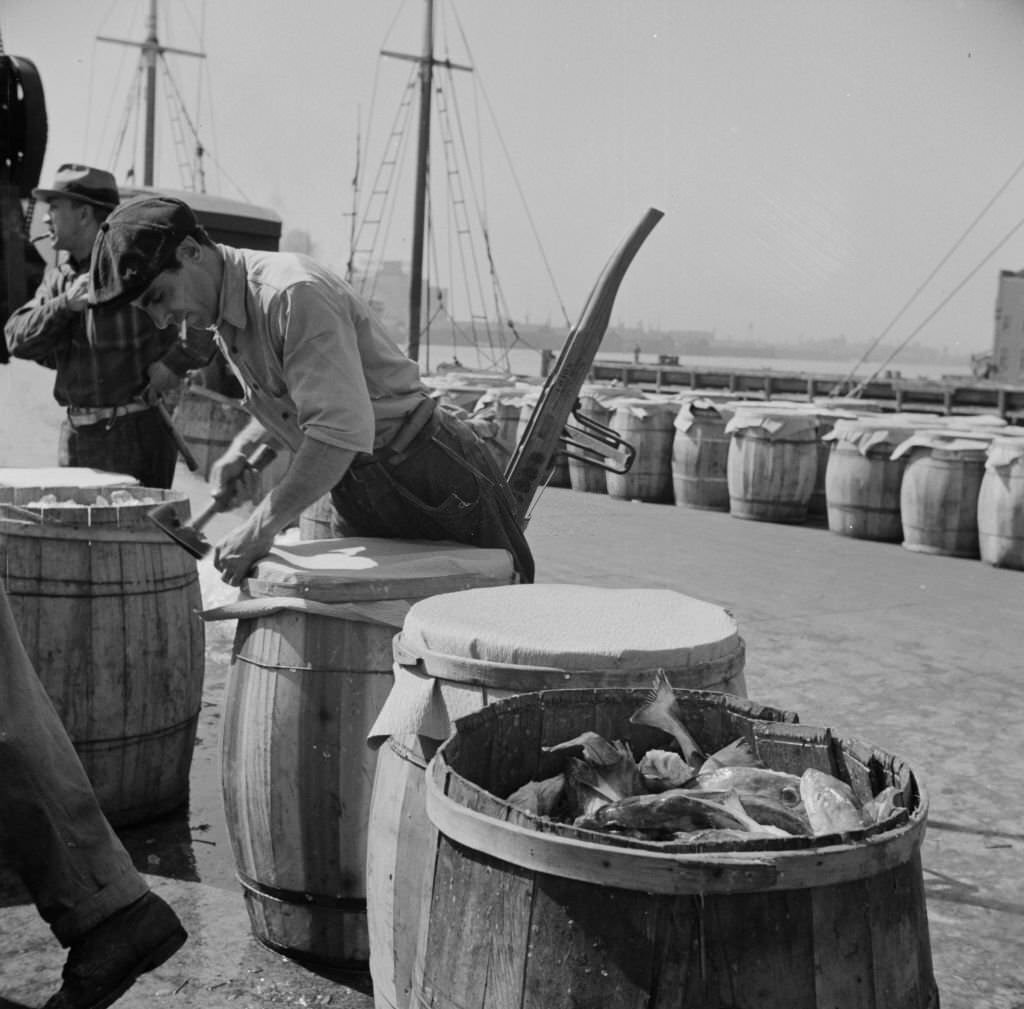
382,698
940,484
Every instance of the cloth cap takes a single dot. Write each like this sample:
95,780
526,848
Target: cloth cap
82,183
134,244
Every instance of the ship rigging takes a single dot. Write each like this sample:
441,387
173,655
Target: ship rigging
451,234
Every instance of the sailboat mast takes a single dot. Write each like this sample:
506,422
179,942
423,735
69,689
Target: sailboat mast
150,48
422,170
151,51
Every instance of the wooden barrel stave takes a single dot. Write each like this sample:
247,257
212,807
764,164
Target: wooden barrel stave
863,493
700,456
1001,517
302,695
651,433
771,479
939,502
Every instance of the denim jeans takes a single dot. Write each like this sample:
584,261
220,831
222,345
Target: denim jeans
52,831
138,444
445,486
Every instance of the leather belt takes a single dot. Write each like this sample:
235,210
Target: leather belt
83,416
416,422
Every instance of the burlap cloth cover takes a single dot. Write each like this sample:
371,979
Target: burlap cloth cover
456,650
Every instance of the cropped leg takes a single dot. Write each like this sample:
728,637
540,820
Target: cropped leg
137,444
52,830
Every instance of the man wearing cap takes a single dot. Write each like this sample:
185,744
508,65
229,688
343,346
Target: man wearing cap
322,378
54,835
109,369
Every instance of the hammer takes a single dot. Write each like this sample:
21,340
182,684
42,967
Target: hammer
188,534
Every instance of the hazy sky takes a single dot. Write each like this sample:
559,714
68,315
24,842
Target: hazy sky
815,159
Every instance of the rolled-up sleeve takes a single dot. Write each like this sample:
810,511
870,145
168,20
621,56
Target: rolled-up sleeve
323,371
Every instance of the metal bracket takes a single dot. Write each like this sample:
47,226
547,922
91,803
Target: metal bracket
593,444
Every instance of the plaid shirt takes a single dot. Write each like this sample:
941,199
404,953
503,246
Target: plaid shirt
112,369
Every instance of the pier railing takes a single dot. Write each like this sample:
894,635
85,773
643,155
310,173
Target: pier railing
946,396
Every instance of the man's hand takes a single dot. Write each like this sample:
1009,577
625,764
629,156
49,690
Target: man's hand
78,293
238,551
161,380
232,481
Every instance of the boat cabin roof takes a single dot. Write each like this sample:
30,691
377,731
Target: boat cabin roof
230,222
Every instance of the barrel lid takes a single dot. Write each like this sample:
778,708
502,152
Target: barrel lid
645,406
339,570
63,476
870,432
567,627
1005,450
966,445
773,422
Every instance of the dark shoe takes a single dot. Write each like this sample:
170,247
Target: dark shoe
107,960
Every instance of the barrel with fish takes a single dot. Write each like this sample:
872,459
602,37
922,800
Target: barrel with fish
694,850
457,653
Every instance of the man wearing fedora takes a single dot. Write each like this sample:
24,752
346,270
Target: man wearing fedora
110,366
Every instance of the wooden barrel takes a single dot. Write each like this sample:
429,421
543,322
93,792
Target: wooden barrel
700,455
319,521
502,406
560,467
827,419
108,609
1001,504
209,421
939,493
456,654
772,465
597,403
862,481
647,424
310,670
781,923
463,388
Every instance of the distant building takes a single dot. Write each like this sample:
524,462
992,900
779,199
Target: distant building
1007,363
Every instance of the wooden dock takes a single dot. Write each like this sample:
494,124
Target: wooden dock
946,396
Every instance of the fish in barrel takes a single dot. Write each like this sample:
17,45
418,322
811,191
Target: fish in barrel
678,793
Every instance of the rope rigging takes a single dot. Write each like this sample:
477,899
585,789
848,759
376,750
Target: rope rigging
457,229
942,262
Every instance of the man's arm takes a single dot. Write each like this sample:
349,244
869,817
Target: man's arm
315,468
35,331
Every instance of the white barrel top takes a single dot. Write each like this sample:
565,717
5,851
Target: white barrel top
1005,450
327,577
572,627
771,422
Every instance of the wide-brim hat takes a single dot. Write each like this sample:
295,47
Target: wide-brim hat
82,183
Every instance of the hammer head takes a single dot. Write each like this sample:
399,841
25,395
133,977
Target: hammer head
185,535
